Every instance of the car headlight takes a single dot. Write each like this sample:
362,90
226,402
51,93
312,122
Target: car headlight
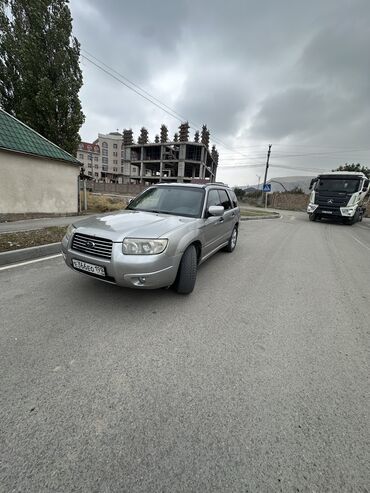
70,230
143,246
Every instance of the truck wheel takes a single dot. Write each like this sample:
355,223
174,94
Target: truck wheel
187,273
230,247
355,218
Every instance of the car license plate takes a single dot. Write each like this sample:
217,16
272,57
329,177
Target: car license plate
327,212
91,268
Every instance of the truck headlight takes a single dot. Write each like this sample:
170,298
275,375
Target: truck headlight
348,211
70,230
143,246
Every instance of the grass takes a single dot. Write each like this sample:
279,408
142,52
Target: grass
254,213
103,203
25,239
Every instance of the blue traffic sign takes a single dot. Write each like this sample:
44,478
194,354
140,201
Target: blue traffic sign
267,187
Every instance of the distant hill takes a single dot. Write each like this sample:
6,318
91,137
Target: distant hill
289,182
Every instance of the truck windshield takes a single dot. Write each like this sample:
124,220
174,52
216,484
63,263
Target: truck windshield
180,201
338,185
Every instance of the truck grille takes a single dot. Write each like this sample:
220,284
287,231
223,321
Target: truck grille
330,202
98,247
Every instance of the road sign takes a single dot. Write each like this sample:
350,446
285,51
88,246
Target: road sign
267,187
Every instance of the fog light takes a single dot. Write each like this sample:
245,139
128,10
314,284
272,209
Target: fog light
142,280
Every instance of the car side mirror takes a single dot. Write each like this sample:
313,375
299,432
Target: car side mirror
313,181
365,185
216,210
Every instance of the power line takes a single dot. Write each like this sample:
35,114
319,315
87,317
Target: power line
152,99
195,126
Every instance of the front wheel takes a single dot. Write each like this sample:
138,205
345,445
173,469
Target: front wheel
355,218
230,247
187,273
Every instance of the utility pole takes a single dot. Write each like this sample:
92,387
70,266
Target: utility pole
266,170
259,179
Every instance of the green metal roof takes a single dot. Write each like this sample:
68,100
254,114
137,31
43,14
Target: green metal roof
18,137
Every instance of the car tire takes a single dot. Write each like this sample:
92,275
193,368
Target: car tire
230,247
187,273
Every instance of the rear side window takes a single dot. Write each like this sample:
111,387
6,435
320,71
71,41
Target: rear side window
234,200
225,201
213,198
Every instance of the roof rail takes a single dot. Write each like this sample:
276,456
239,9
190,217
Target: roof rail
216,183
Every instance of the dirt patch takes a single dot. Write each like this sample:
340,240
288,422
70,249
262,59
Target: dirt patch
104,203
254,213
25,239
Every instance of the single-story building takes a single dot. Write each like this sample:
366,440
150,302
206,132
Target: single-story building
37,178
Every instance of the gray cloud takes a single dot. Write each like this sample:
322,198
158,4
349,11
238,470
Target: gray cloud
291,73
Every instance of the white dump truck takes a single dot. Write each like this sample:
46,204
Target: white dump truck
338,195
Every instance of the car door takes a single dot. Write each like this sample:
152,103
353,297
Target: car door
229,214
214,227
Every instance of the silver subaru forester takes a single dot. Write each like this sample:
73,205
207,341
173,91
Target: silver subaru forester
159,240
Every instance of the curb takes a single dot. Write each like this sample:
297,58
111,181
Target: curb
275,216
22,254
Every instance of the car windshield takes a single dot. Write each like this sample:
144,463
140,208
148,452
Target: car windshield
180,201
338,185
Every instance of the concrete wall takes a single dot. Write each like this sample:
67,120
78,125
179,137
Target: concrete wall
297,202
32,185
288,201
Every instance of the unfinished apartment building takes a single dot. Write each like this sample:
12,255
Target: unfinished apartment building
172,160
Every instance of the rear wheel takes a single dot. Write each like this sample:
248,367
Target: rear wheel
230,247
187,273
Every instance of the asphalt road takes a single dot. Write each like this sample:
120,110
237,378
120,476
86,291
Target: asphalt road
258,381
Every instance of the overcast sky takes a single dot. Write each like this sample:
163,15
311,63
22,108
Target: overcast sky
291,73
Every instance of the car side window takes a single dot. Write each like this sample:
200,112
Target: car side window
225,201
234,200
213,198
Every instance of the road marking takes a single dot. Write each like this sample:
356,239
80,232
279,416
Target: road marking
358,241
30,261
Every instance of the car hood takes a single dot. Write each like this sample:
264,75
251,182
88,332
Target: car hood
134,224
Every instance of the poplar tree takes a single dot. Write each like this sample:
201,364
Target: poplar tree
40,76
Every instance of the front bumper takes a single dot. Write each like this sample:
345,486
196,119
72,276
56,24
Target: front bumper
131,271
331,211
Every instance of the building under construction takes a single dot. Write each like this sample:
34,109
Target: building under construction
177,159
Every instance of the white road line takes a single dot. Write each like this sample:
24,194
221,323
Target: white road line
363,244
12,266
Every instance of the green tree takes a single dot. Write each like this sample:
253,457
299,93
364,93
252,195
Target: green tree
239,192
354,167
40,76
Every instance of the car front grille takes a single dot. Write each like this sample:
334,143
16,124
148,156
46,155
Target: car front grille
97,247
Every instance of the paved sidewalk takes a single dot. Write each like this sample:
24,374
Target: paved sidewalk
31,224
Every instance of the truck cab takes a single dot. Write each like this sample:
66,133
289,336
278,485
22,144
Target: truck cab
338,195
